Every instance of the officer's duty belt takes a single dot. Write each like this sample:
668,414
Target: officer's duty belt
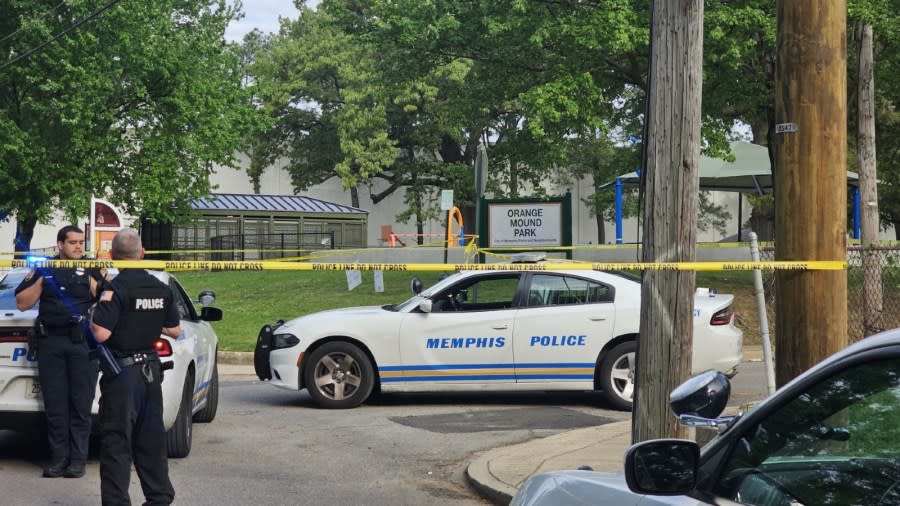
136,358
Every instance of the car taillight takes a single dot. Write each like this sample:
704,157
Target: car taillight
13,335
162,348
722,317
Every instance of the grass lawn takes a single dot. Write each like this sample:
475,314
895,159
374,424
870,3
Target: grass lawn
251,299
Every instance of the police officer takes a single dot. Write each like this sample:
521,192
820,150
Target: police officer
129,317
68,377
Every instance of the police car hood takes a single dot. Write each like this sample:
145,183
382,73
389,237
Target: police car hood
341,314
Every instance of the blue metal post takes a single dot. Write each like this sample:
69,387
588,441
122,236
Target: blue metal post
856,217
618,211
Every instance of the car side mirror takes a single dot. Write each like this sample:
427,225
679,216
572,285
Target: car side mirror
662,467
206,297
704,395
415,284
425,306
210,314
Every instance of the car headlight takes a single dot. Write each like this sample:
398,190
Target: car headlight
284,341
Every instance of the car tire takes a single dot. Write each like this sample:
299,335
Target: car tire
617,375
208,412
338,375
178,438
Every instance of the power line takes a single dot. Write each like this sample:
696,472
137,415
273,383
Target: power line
45,14
59,35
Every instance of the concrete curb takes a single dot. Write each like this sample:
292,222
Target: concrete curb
487,487
235,357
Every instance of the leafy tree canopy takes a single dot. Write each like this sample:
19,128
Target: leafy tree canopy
136,105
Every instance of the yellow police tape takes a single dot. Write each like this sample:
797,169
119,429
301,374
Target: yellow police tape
268,265
317,253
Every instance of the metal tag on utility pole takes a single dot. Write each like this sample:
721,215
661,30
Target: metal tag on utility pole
446,200
783,128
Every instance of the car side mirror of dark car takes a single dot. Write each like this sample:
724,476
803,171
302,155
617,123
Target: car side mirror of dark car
210,314
662,467
704,395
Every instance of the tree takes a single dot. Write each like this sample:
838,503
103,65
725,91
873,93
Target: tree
136,105
603,160
428,87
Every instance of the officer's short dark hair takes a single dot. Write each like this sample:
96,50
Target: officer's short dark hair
126,245
63,232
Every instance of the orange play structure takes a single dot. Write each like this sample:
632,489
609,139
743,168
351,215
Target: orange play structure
456,214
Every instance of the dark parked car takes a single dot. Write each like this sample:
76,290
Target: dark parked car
831,436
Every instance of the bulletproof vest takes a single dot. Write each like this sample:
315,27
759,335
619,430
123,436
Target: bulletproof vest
75,287
144,301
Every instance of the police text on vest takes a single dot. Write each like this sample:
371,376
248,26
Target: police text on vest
148,303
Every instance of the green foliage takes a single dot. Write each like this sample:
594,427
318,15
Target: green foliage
135,106
402,92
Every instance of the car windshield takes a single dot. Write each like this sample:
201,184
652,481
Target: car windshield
836,443
8,289
425,294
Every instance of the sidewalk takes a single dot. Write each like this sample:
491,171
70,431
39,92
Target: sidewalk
496,474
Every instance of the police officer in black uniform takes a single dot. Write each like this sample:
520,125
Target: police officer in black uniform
68,377
129,317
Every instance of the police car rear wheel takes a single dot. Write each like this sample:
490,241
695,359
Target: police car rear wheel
338,375
617,375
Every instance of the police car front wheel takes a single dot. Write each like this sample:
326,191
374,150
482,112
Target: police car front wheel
338,375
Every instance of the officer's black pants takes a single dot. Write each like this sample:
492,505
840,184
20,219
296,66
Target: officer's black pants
132,426
68,380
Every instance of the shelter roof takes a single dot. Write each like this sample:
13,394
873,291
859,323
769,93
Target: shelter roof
270,203
750,171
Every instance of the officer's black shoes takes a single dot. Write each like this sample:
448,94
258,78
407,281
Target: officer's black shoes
75,470
56,469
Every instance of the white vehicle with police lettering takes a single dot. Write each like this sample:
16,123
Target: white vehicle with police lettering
486,331
190,386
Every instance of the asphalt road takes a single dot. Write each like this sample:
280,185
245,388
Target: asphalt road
270,446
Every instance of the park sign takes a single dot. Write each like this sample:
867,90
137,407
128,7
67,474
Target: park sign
527,223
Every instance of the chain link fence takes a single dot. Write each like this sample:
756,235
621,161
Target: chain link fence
873,274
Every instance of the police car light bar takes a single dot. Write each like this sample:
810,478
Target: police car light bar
528,258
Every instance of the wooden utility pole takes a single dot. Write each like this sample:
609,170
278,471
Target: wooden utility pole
873,295
670,213
810,181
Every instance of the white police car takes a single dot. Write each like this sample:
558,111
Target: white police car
190,388
486,331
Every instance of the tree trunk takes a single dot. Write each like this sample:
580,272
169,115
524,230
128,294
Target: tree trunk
420,225
762,219
601,230
24,234
670,214
873,295
601,225
810,182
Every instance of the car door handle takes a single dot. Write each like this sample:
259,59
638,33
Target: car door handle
597,318
500,327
